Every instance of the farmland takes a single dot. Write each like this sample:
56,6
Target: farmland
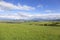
28,31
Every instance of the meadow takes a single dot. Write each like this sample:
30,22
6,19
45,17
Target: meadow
28,31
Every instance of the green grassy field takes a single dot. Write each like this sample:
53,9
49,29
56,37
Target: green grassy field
23,31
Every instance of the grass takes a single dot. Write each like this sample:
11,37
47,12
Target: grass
23,31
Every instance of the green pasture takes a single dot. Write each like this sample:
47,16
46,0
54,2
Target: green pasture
24,31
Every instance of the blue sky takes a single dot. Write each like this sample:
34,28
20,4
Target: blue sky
14,7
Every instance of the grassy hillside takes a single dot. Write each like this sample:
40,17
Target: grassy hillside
24,31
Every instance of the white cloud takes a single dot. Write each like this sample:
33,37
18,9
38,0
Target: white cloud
40,6
9,16
48,16
30,16
25,14
49,11
10,6
16,16
1,10
25,7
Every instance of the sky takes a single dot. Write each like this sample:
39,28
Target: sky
28,8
